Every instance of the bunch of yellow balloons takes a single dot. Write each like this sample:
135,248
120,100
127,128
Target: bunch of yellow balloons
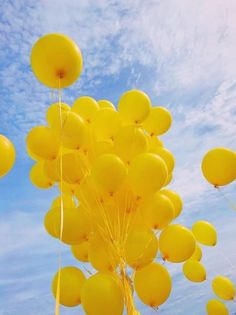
7,155
114,209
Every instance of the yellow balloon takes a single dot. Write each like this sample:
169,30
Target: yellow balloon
153,284
38,176
176,243
219,166
109,172
223,287
168,180
205,233
43,142
106,123
66,200
101,255
158,211
197,255
67,189
129,142
51,170
80,251
194,271
215,307
167,157
56,60
154,143
147,174
76,224
134,106
103,147
175,199
102,295
86,107
71,282
54,113
72,130
7,155
141,247
74,167
105,104
158,121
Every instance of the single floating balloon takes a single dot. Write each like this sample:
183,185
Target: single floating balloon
205,233
215,307
102,295
7,155
134,106
176,243
223,287
153,284
56,60
158,121
219,166
194,271
72,281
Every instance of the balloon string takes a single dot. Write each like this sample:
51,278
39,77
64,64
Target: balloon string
57,306
228,201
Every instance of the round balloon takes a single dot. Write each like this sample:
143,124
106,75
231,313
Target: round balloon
134,106
205,233
105,104
80,251
54,113
86,107
153,284
223,287
197,255
194,271
215,307
56,60
176,243
158,121
7,155
175,199
102,295
38,176
219,166
71,283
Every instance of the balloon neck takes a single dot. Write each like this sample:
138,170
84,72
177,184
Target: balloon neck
61,74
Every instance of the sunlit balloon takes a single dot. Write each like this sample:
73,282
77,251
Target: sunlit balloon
51,170
154,143
147,174
38,176
129,142
106,123
109,172
43,142
54,113
205,233
176,243
86,107
215,307
134,106
219,166
71,282
56,60
223,287
141,247
194,271
175,199
66,200
153,284
167,157
105,104
102,295
7,155
158,121
158,211
80,251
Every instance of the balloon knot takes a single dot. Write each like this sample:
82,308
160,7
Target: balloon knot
61,74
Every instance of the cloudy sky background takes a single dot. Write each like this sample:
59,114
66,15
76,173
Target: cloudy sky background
180,52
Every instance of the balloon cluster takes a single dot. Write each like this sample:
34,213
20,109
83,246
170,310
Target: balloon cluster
7,155
114,210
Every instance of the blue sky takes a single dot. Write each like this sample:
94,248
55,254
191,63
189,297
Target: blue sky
182,53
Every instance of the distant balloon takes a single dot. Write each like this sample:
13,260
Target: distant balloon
215,307
205,233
